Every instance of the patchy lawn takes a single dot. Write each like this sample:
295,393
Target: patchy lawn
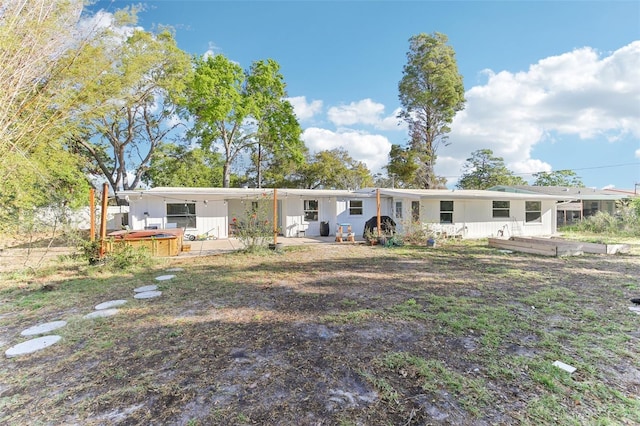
332,335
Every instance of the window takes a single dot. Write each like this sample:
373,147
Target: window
355,207
398,209
311,210
533,211
501,208
182,214
446,211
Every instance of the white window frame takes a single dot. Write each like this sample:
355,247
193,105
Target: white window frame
310,213
530,210
506,209
398,209
354,209
446,212
186,220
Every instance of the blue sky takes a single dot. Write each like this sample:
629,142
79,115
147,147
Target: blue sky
550,85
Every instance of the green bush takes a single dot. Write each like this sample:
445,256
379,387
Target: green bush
626,221
254,228
121,257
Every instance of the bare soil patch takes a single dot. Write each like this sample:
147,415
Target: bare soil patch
333,335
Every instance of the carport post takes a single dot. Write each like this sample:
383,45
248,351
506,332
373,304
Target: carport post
378,206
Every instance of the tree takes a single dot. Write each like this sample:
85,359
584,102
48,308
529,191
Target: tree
241,110
175,165
402,167
335,169
42,67
132,107
278,147
431,92
558,178
482,170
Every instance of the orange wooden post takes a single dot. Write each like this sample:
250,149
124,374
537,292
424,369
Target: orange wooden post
103,218
92,214
378,204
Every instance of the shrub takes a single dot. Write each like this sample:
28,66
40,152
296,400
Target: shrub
254,227
121,257
415,233
626,221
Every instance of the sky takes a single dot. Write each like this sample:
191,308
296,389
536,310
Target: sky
550,85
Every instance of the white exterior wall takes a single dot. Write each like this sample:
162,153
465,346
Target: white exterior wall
211,218
474,218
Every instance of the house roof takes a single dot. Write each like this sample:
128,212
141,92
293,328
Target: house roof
236,193
463,194
180,193
579,193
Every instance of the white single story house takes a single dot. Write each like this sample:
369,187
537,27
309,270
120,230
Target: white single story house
463,213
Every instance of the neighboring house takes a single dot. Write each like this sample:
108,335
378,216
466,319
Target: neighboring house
463,213
578,202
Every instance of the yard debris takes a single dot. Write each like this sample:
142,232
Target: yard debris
566,367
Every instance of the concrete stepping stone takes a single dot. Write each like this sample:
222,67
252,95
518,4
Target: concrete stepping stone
147,294
110,304
165,277
43,328
175,269
145,288
32,345
103,313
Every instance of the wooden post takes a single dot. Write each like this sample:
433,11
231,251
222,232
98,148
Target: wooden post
378,205
275,215
103,218
92,214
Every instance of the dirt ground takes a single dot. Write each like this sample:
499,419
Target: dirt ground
333,335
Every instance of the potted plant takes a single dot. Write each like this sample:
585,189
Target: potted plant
371,237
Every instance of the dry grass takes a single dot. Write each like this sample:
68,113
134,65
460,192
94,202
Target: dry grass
332,334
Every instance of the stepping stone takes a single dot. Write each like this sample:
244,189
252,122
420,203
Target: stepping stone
165,277
175,269
43,328
145,288
32,345
147,294
110,304
102,313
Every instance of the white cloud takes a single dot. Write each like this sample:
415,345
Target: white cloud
373,150
365,112
305,110
637,153
578,93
